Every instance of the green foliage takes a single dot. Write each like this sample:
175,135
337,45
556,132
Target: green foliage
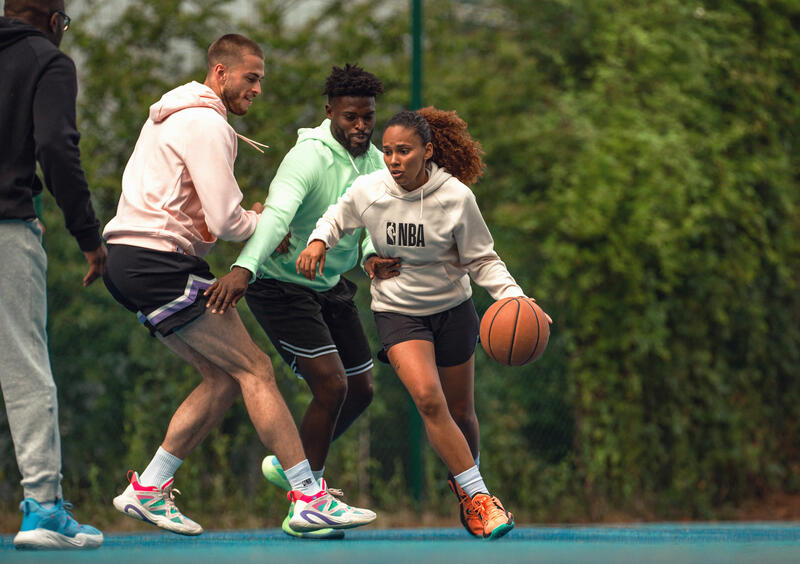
641,184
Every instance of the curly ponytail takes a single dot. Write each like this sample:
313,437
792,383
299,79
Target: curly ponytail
453,147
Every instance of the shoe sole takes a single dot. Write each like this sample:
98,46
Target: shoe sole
321,534
500,530
42,539
323,521
135,511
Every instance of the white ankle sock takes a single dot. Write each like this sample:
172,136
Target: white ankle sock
161,468
301,478
48,504
471,482
318,474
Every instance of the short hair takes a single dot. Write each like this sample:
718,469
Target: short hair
34,12
230,48
352,80
453,146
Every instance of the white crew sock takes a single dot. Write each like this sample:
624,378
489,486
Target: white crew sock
478,460
302,479
161,468
471,482
48,504
318,474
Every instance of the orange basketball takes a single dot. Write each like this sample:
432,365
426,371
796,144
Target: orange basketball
514,331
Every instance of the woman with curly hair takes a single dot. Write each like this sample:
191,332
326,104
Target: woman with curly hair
420,212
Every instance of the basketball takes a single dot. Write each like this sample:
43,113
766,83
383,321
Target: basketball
514,331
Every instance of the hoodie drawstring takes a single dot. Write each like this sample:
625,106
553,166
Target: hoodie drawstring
352,162
253,144
421,190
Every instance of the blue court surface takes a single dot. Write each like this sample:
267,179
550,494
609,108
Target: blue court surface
761,543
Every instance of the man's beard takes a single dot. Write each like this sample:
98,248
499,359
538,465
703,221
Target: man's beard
227,99
355,151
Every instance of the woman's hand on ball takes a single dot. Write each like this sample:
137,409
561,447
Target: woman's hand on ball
549,319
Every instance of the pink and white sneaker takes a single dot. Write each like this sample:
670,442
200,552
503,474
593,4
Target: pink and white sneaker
155,505
323,510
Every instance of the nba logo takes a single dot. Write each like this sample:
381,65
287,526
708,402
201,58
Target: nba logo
391,233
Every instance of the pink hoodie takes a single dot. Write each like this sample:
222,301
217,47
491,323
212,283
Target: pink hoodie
178,189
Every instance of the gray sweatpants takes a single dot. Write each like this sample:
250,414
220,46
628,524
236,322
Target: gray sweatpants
25,375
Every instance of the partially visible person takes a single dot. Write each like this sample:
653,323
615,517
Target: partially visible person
179,195
421,211
314,325
38,89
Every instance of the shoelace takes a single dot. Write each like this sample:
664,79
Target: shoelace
463,499
338,494
168,495
477,505
67,507
335,492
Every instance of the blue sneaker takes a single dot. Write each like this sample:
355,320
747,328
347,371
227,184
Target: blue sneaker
55,528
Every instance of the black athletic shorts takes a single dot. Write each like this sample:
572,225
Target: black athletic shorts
454,333
165,290
305,323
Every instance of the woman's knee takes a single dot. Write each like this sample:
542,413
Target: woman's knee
430,403
464,416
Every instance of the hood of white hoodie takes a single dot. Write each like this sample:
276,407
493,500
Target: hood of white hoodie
191,95
436,177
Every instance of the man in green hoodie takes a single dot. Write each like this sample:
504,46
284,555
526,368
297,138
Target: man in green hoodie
314,325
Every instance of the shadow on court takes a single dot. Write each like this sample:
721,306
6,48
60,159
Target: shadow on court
762,543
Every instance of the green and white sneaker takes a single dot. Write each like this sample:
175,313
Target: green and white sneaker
273,471
327,534
323,510
156,505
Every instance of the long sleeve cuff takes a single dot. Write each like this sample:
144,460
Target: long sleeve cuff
88,240
248,264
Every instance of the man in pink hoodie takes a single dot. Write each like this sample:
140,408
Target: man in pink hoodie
179,195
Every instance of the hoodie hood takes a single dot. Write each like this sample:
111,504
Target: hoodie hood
322,133
13,30
191,95
437,176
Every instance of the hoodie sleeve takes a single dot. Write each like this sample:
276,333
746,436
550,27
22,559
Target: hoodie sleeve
367,248
56,138
343,217
297,175
476,253
209,155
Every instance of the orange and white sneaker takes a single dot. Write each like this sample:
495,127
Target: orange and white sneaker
496,520
469,518
155,505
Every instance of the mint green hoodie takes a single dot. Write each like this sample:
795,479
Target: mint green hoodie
312,177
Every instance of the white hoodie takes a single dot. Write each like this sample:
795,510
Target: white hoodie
178,189
436,229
